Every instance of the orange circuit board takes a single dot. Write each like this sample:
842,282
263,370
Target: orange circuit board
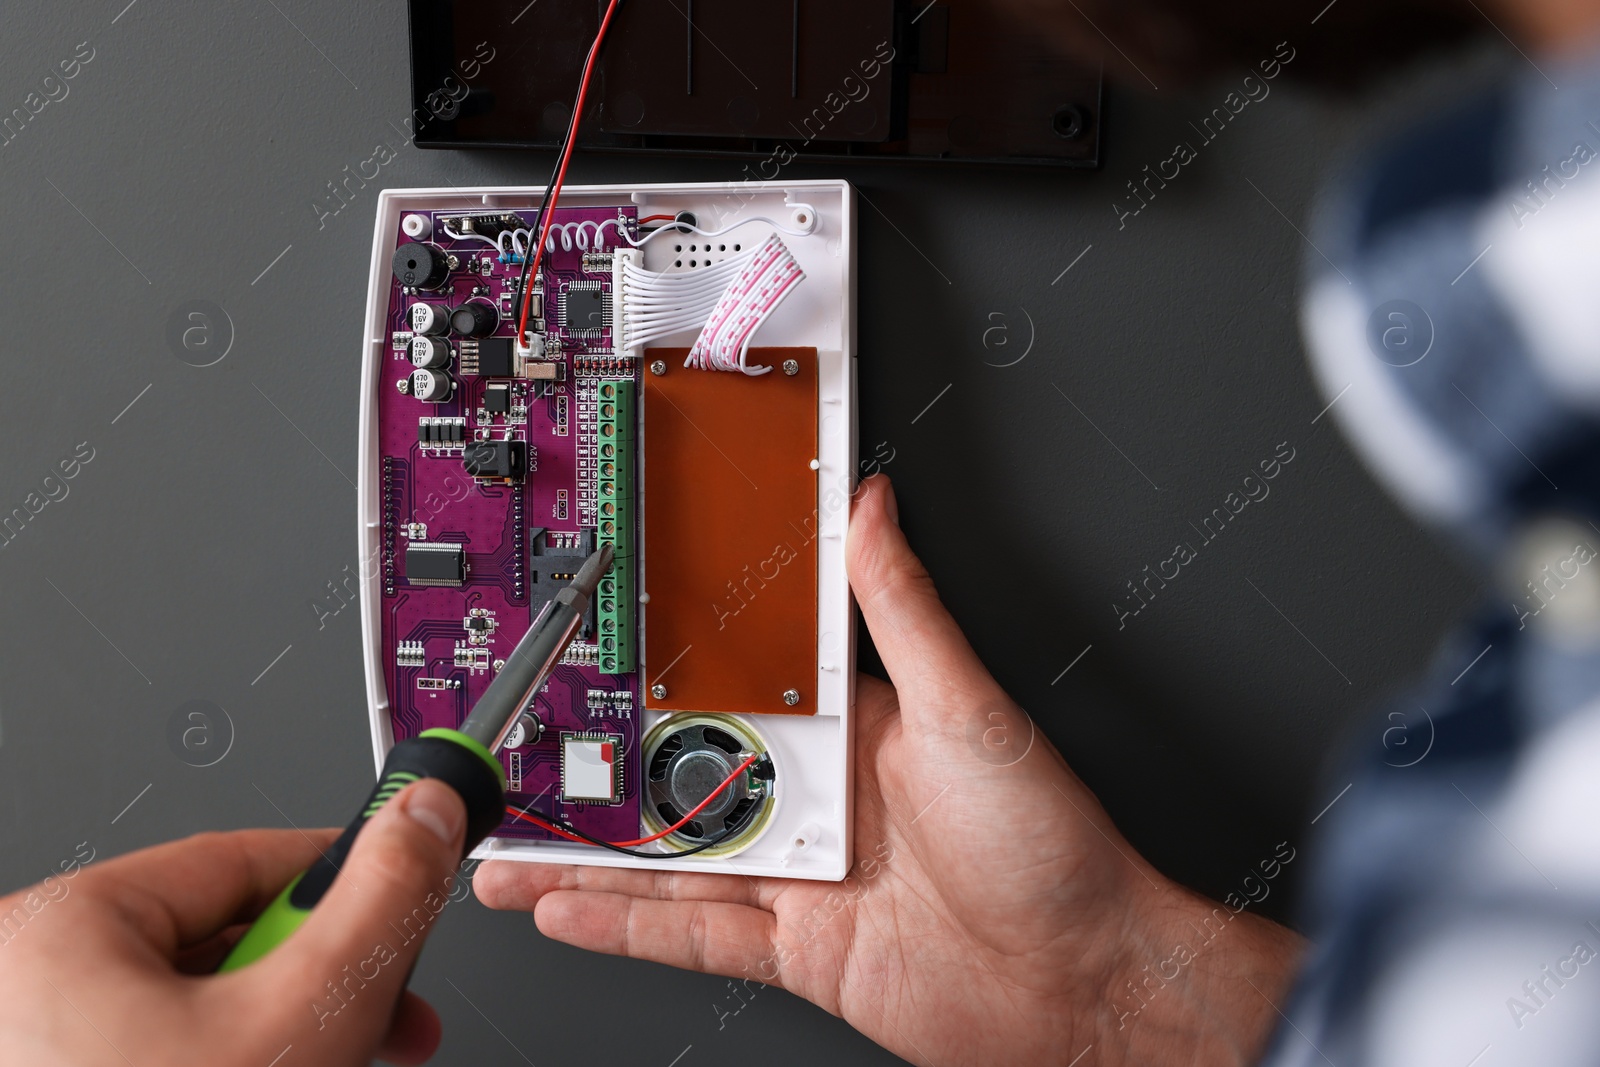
730,528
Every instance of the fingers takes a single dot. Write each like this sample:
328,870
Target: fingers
204,957
927,656
185,892
367,931
510,886
413,1035
697,935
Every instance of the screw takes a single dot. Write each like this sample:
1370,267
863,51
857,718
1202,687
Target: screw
658,691
404,385
791,367
791,697
1069,122
658,367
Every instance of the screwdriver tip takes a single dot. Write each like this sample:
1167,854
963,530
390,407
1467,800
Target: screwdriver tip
588,578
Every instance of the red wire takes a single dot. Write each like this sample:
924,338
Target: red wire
541,824
658,218
554,193
674,828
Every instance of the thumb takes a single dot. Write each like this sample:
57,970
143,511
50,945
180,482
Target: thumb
356,950
927,656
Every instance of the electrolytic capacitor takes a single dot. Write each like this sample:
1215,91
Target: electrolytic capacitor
430,352
474,319
430,319
432,386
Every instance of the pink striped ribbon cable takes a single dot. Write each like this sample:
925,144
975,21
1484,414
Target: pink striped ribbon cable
725,341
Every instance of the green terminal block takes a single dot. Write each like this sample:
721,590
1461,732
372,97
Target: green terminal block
615,496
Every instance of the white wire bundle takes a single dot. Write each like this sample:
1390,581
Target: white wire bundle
769,277
659,304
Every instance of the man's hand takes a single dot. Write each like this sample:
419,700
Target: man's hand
994,913
111,963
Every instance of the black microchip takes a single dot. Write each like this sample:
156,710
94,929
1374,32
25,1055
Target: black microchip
585,309
478,624
494,358
497,399
435,564
497,459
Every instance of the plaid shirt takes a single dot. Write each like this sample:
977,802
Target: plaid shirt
1453,310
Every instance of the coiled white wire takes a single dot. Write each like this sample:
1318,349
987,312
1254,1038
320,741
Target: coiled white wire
578,235
587,235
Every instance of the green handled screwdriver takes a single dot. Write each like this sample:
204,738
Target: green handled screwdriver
465,759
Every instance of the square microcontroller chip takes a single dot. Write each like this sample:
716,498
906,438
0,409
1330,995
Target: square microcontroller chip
585,309
435,564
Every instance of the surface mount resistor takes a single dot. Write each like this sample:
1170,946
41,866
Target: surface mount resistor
580,654
442,433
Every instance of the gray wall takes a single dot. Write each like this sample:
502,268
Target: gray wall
189,552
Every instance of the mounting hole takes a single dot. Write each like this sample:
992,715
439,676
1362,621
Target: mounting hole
736,248
678,264
1069,122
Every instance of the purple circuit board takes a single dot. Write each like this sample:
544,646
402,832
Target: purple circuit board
520,537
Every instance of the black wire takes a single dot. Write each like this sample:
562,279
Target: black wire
538,225
715,841
549,186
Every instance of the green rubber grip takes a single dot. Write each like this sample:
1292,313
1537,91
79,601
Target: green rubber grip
448,755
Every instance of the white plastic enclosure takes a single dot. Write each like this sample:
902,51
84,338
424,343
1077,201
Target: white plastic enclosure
808,834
